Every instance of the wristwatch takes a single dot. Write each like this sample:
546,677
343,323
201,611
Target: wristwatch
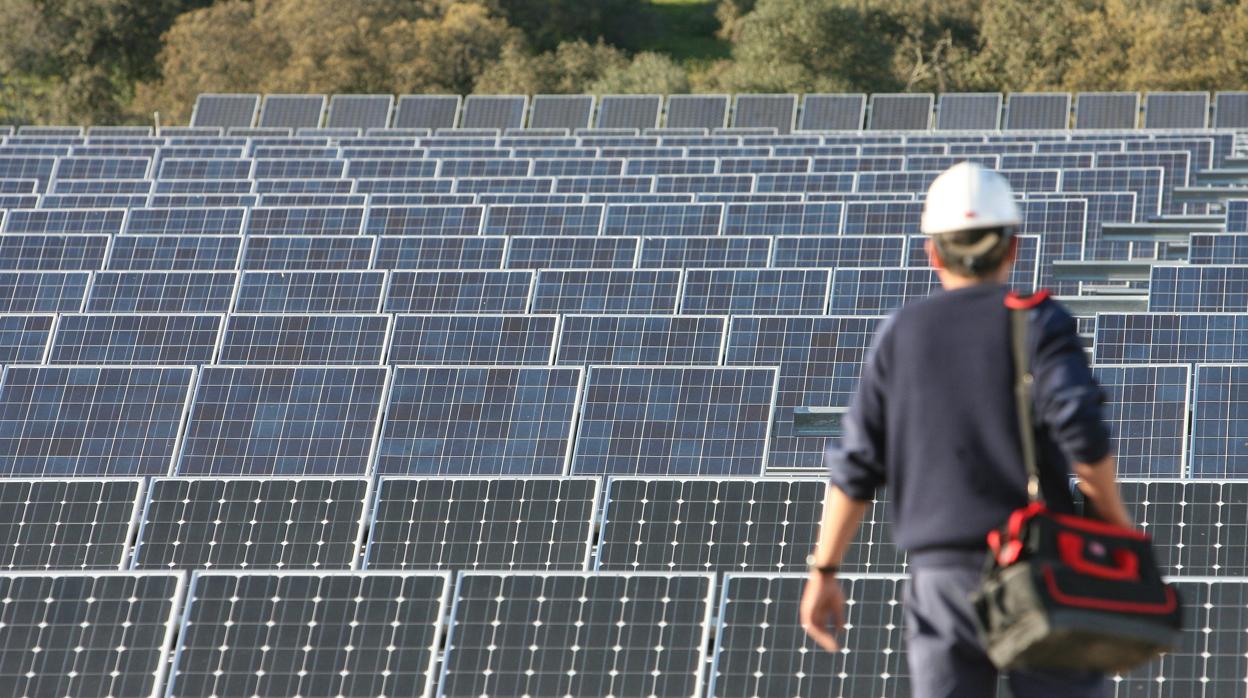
821,569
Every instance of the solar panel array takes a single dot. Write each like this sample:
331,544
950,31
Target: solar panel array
361,395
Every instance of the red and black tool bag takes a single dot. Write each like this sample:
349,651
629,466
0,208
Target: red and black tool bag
1065,592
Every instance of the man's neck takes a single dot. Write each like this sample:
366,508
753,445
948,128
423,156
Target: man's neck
952,282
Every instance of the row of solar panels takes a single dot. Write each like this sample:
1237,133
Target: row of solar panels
518,523
972,111
502,634
463,419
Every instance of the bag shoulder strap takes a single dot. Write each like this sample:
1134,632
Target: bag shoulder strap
1023,396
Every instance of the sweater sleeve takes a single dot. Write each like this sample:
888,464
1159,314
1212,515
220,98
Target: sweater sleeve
856,464
1068,398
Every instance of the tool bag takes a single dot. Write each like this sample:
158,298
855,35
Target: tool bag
1063,592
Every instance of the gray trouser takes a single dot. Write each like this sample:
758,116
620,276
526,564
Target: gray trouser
947,659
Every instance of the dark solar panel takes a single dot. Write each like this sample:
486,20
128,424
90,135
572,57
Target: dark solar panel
161,292
711,525
174,253
135,339
1171,337
1037,111
1176,110
667,420
54,524
833,251
1230,110
629,111
238,523
651,629
1198,289
24,338
424,220
755,291
90,635
561,111
697,111
101,168
857,291
473,339
308,252
1106,110
909,112
427,111
327,220
1147,412
304,339
530,523
359,111
90,420
99,221
806,183
583,219
291,111
554,252
832,112
42,291
185,221
644,291
640,340
459,291
765,111
307,634
40,252
663,219
783,219
310,292
673,252
225,111
482,111
204,168
969,111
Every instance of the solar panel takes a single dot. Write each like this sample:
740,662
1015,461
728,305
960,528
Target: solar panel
98,132
882,217
308,252
42,291
969,111
52,252
765,111
101,221
709,525
1037,111
857,163
640,340
762,650
554,252
327,220
908,112
24,338
652,630
532,523
708,252
1198,289
359,111
310,291
755,291
605,185
858,291
387,168
1033,161
1176,110
225,111
819,359
174,253
629,111
561,111
782,219
459,291
91,635
674,420
185,221
831,251
641,291
282,421
101,168
203,186
473,339
291,111
1230,110
440,252
483,167
90,420
379,200
424,220
19,186
307,168
1106,110
304,340
584,219
575,168
832,112
24,167
304,634
468,420
1145,182
204,168
161,292
697,111
500,112
1171,337
10,201
427,111
135,339
241,523
51,524
1147,411
671,165
663,219
806,183
723,183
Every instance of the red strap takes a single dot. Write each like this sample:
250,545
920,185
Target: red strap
1071,546
1013,301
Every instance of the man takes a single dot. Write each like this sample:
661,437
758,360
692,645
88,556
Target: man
934,417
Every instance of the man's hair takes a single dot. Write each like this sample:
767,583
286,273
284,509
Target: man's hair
973,253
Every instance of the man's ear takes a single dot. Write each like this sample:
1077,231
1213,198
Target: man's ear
933,258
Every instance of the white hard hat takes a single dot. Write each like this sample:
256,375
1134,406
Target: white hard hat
969,197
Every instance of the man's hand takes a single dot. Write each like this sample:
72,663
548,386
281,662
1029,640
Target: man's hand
823,610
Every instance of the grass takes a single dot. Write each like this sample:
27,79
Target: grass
685,30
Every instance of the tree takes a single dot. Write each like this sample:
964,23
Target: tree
647,73
571,68
548,23
1025,45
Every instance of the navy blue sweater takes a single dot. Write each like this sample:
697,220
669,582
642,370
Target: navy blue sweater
934,418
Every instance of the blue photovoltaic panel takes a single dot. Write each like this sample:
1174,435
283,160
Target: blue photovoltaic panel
388,168
23,338
282,421
8,201
294,340
291,111
1237,216
310,292
14,185
27,167
1198,289
383,200
674,421
404,186
308,252
473,339
553,252
97,186
647,198
1220,422
878,291
490,111
1172,337
185,221
479,420
671,165
802,183
312,200
832,251
424,220
135,339
344,220
440,252
101,168
459,291
1217,248
882,217
90,420
43,291
161,292
543,220
755,291
306,168
604,185
205,168
704,183
939,163
856,163
1103,207
1060,225
704,251
201,200
832,112
68,201
1146,182
101,221
663,219
1146,410
642,291
783,219
426,111
819,360
639,340
540,199
763,165
174,253
52,252
577,167
485,167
